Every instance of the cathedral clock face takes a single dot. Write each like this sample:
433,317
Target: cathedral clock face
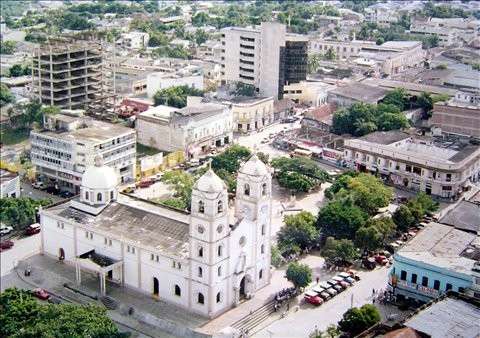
246,210
264,209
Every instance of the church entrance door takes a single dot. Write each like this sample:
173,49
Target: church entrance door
155,286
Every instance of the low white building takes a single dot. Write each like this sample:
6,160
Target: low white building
159,80
66,147
9,184
205,262
446,36
193,129
415,164
134,40
251,113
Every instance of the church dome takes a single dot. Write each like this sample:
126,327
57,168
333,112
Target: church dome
254,167
99,176
210,182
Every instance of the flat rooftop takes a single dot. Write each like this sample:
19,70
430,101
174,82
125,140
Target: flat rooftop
361,92
465,216
440,245
448,317
382,137
137,222
95,131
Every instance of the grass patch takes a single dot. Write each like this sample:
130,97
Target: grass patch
14,136
143,150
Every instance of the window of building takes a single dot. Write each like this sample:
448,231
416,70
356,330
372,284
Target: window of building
448,287
436,284
263,229
461,289
220,250
200,272
260,274
246,189
111,195
220,207
201,298
264,189
99,197
408,168
414,278
262,249
178,291
201,207
425,281
219,297
219,271
403,275
87,195
200,251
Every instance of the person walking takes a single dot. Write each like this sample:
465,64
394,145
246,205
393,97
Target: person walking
373,292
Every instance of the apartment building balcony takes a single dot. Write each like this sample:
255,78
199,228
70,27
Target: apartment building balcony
248,56
66,59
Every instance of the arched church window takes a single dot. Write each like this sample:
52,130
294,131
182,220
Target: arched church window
220,207
87,195
260,274
219,271
111,195
262,249
263,229
264,189
201,207
246,189
200,272
200,251
201,298
178,291
220,250
219,297
99,197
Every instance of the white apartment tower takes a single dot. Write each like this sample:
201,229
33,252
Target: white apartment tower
266,58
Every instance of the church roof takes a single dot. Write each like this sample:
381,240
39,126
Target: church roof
99,176
157,227
210,182
254,167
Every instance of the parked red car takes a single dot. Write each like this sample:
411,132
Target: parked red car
33,229
145,183
42,294
312,297
382,260
6,245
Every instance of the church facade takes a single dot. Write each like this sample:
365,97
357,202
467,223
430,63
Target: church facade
205,261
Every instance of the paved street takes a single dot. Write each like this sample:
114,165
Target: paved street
24,248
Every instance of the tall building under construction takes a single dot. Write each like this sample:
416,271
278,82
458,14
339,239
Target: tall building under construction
70,75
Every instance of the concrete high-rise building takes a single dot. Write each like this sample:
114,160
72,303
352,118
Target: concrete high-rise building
71,75
266,58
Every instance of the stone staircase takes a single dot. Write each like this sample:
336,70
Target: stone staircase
257,316
109,303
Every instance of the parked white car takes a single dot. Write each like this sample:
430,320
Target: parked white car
4,230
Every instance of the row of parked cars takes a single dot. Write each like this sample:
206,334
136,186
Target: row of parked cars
323,291
51,189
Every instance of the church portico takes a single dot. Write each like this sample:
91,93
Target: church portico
103,266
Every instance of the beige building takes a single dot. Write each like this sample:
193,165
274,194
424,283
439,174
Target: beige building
459,116
437,169
251,113
193,129
312,93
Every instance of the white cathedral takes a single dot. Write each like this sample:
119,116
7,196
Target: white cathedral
206,261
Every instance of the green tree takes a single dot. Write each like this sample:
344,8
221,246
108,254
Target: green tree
15,71
368,238
276,257
20,211
389,121
313,62
243,89
397,97
403,218
200,19
181,184
300,275
340,219
425,102
335,250
298,230
201,36
299,174
330,54
384,225
173,203
175,96
356,320
8,47
5,95
231,158
427,203
23,316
